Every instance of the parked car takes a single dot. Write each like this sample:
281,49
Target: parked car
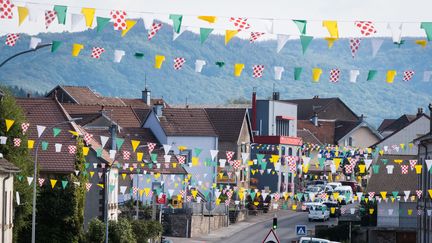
307,205
345,194
318,212
334,184
353,184
314,240
312,190
317,182
335,205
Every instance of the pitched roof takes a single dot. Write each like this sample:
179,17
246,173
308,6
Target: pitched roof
122,115
384,124
47,112
324,132
308,137
398,123
342,128
396,181
7,166
228,122
186,122
307,107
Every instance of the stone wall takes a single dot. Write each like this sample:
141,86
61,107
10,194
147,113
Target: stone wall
200,224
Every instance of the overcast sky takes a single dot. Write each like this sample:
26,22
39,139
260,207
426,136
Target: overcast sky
411,13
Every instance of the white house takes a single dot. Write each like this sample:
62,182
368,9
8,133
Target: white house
7,171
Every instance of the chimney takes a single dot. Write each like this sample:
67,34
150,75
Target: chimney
254,109
158,108
361,118
430,118
316,97
314,119
113,131
419,112
146,96
275,95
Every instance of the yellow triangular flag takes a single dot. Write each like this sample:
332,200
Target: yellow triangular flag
53,182
176,185
305,168
22,14
336,162
194,193
371,210
131,168
181,148
129,25
91,174
430,193
410,212
195,161
330,41
101,185
402,146
366,199
316,73
9,124
30,144
210,19
383,195
135,144
147,190
392,199
141,191
140,156
157,175
229,34
221,175
398,161
275,158
174,165
89,16
218,201
76,49
332,28
123,176
422,43
179,197
391,74
85,150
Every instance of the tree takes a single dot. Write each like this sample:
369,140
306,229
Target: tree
96,232
20,157
121,231
145,230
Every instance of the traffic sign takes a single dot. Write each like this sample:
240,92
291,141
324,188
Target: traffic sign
271,237
301,230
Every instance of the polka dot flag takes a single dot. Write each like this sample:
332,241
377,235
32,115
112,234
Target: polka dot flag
407,75
258,71
334,75
154,29
97,52
366,27
254,36
178,63
50,16
11,39
354,45
6,9
240,23
119,19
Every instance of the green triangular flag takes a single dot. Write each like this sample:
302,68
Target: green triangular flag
299,196
321,162
204,34
260,157
84,173
395,194
301,25
99,152
197,151
111,188
44,145
20,177
375,169
86,165
220,64
297,73
119,143
384,161
305,41
371,74
252,194
139,55
61,13
119,165
64,184
56,131
206,194
427,26
263,165
101,23
55,45
153,157
177,20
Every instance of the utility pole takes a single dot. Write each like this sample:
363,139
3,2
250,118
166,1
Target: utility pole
24,52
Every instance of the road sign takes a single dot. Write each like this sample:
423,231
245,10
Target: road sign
301,230
271,237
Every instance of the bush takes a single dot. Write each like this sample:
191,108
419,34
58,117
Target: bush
121,231
96,231
144,230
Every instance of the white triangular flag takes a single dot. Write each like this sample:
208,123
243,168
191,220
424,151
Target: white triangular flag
34,12
407,194
281,41
390,211
198,199
112,153
34,42
396,29
104,140
123,189
352,210
353,75
58,147
213,154
376,45
359,196
264,194
118,55
244,156
167,158
427,76
3,139
199,64
306,160
429,212
368,163
77,172
278,72
217,194
40,130
77,22
29,180
428,163
170,192
18,199
148,21
166,148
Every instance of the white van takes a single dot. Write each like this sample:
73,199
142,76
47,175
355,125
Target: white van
345,194
314,240
318,212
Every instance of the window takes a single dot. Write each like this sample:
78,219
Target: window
290,152
187,153
282,127
243,148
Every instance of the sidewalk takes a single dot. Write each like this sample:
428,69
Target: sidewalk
226,232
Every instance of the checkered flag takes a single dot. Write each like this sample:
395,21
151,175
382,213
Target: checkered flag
229,155
6,9
404,169
24,127
254,36
72,149
88,186
240,23
151,147
134,190
334,75
419,193
41,181
354,45
87,138
276,196
413,163
236,164
17,142
50,16
181,159
11,39
371,195
366,27
258,71
119,19
407,75
154,29
126,155
178,63
97,52
188,198
183,193
348,169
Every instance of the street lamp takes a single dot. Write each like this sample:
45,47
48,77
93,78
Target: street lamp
24,52
35,173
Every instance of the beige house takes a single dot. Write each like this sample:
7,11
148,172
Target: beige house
7,170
